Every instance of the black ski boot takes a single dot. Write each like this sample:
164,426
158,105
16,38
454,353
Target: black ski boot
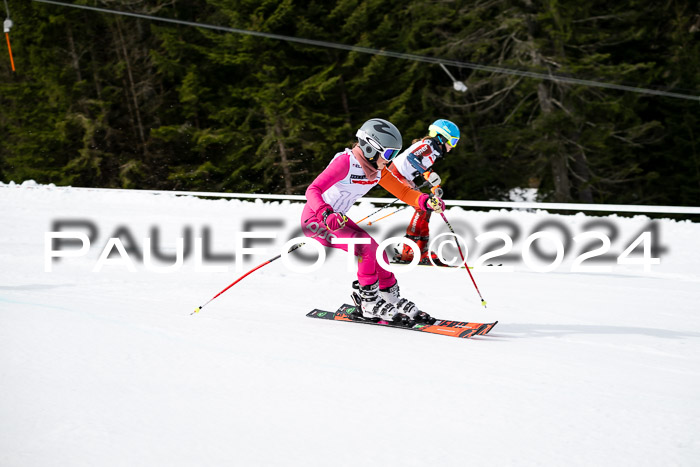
407,307
375,308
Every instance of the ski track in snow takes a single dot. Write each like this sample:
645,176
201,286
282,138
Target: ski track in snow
110,368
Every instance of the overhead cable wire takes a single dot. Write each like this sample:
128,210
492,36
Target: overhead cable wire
389,53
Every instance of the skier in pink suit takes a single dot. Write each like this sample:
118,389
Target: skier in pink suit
348,177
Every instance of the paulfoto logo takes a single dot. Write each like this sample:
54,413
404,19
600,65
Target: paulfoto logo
123,249
498,245
79,239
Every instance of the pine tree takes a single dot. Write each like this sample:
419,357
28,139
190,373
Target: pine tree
104,100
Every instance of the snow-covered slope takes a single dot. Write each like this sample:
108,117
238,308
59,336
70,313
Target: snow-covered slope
109,368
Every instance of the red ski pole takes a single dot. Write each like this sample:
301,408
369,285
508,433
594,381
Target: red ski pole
483,302
298,245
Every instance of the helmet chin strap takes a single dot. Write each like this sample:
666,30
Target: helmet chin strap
443,144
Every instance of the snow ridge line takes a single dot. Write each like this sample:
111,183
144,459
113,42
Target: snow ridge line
450,202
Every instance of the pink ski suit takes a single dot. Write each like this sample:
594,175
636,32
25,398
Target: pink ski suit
345,180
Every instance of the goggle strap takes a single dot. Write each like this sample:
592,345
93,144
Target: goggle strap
386,153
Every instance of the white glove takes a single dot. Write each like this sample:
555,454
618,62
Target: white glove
433,178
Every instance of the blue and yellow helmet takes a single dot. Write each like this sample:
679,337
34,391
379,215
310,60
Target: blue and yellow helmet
446,129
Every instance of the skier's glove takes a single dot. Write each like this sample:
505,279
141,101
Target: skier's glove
432,178
334,220
431,203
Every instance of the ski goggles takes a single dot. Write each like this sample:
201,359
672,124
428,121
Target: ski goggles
386,153
452,141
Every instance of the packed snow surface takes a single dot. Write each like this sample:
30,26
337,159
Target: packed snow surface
103,364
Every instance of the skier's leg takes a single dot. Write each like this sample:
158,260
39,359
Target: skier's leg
417,231
369,274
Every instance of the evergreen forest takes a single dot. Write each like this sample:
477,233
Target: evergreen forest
106,100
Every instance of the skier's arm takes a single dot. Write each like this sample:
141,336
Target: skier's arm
335,172
416,163
405,193
415,198
422,158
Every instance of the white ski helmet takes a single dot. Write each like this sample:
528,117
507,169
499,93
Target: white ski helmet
378,137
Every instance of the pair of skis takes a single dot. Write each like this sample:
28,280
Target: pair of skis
443,327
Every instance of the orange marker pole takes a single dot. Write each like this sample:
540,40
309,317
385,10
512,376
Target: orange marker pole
380,209
386,206
9,48
390,214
